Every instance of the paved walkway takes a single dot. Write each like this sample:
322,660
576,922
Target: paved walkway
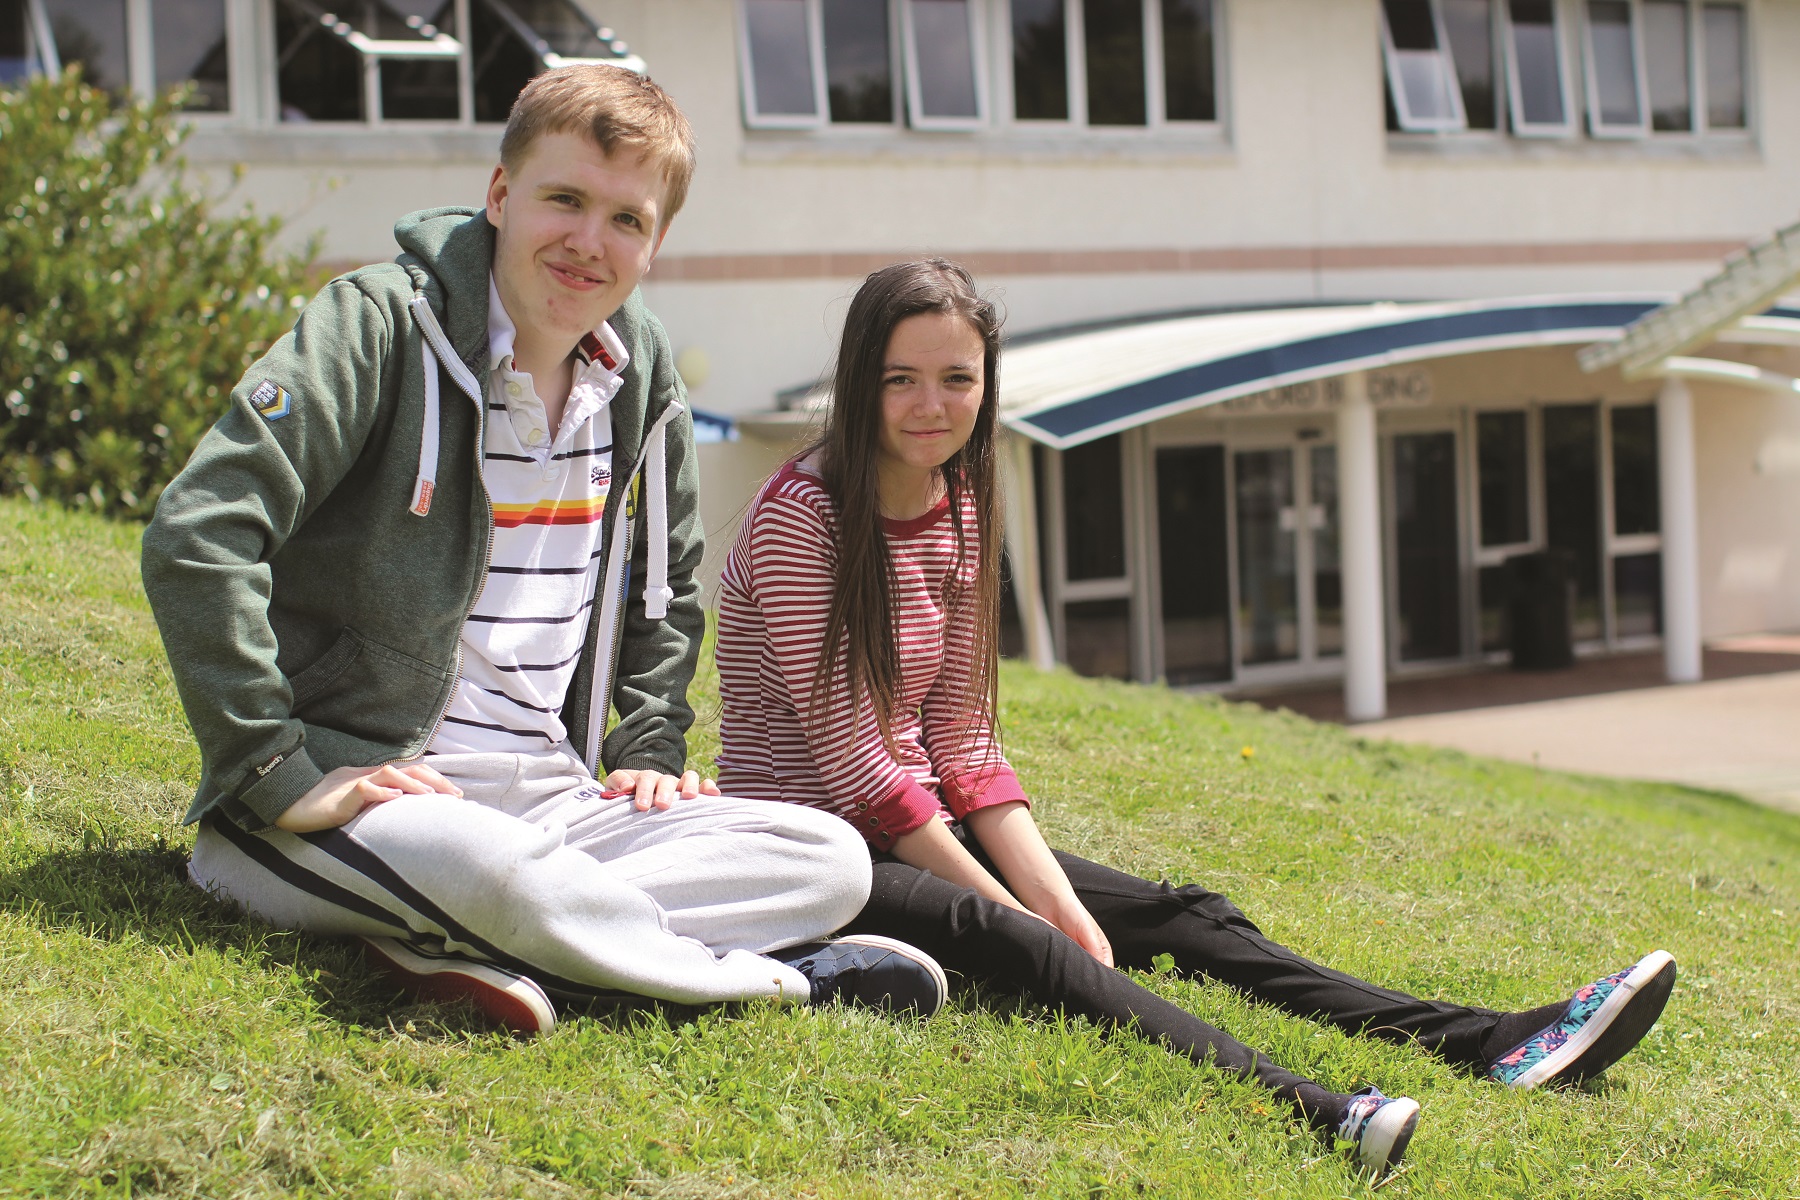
1740,733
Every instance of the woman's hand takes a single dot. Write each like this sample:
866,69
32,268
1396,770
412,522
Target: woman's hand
1011,839
1068,914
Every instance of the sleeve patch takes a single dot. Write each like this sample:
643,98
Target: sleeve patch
271,400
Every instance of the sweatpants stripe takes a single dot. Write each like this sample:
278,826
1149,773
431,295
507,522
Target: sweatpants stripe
266,856
364,861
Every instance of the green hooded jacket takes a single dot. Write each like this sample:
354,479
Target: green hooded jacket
313,617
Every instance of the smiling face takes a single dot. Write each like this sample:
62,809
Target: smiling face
577,229
932,385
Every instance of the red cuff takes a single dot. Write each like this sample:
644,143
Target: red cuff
982,788
882,821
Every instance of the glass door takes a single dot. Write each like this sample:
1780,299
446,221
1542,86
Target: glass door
1268,567
1194,544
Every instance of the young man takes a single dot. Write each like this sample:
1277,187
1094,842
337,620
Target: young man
447,525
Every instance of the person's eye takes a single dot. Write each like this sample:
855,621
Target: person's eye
629,219
565,200
896,380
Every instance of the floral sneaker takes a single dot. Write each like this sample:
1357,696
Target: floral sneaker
1603,1021
1377,1128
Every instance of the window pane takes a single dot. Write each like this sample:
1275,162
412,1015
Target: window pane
1725,66
1538,60
1500,451
1666,65
1040,61
1113,31
1495,586
1410,24
418,90
1193,547
1424,74
502,63
189,37
563,27
1328,577
781,61
1637,595
17,55
1268,596
1572,502
945,47
1615,63
91,33
1470,26
1635,498
859,76
1097,637
1427,569
1094,510
319,76
1188,82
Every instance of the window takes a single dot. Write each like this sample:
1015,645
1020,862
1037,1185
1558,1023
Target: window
1615,84
1650,66
1664,66
367,61
122,46
1117,64
91,34
24,32
809,63
1536,82
1422,78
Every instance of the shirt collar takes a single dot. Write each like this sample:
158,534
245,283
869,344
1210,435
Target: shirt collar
602,346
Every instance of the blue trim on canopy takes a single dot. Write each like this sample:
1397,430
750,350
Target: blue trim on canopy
1068,422
711,427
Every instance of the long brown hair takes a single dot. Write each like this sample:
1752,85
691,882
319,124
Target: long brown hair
859,633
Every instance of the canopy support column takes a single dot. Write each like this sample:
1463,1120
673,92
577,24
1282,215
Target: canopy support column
1680,531
1359,506
1019,480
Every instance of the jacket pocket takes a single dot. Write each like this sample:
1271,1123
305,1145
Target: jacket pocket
334,662
369,691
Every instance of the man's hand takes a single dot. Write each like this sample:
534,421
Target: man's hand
653,789
348,790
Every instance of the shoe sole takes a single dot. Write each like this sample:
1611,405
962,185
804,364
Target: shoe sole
513,1002
1382,1147
1609,1035
911,953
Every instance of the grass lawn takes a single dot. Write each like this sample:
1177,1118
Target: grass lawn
153,1043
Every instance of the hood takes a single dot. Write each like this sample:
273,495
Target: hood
449,253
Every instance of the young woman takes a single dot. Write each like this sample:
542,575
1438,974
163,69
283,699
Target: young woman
857,661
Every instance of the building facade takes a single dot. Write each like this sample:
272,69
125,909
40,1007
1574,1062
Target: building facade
1109,164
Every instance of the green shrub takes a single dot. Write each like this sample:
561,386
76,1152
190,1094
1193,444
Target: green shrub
128,306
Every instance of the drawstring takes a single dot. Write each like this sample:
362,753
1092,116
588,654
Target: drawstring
436,352
426,482
657,592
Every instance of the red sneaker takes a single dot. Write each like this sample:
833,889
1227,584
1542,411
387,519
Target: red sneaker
511,1001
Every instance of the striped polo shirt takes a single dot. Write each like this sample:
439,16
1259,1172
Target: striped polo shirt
774,599
549,491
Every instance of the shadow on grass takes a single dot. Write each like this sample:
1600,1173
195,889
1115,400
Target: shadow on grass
124,895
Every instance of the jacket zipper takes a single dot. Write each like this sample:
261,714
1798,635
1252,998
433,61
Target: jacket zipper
600,698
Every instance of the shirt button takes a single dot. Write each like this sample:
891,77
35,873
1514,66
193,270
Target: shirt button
874,821
514,390
535,436
862,806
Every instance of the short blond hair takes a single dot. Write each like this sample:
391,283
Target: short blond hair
614,107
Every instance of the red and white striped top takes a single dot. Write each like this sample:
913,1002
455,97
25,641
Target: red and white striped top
775,597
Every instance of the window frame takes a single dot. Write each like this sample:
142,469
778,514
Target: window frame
1599,129
1515,94
916,117
820,117
1458,121
1702,84
1156,118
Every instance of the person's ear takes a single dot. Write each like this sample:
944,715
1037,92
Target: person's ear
662,231
497,189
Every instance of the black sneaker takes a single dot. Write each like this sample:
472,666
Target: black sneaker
862,968
1376,1129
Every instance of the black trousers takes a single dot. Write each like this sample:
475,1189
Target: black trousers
1204,932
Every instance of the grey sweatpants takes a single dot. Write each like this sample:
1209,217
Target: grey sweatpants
532,870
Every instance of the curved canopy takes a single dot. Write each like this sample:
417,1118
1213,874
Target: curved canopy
1069,389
